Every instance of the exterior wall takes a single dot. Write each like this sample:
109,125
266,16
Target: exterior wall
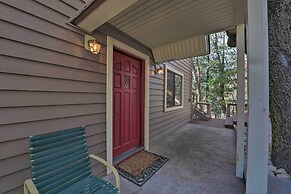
164,123
49,82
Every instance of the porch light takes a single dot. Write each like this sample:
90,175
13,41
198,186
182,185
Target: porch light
156,69
91,44
160,70
94,46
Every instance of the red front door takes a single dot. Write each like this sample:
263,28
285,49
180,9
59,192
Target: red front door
126,103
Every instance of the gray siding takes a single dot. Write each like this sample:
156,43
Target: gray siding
164,123
48,82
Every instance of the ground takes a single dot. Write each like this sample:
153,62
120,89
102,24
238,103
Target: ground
202,161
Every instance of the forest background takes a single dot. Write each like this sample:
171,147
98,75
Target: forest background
215,75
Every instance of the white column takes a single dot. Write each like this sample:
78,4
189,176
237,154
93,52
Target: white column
240,38
258,98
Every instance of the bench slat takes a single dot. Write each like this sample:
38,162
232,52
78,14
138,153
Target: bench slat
55,173
55,134
64,177
50,140
60,149
60,164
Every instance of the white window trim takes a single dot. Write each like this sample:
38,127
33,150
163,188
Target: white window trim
165,89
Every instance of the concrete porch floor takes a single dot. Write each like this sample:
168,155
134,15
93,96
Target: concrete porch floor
201,160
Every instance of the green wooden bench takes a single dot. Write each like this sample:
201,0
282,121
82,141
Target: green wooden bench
60,164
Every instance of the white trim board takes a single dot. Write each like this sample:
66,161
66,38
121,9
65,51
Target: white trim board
104,12
166,86
113,43
258,97
240,154
195,46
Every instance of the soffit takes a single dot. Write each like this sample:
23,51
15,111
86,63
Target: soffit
160,22
191,47
172,29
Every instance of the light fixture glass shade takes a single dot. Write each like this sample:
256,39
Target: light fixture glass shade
94,46
160,70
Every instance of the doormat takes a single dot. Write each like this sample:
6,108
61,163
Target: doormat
140,167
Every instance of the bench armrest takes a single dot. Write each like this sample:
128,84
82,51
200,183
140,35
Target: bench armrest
112,168
29,187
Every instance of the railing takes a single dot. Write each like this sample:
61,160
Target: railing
231,109
205,107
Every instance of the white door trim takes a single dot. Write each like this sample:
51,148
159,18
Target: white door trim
113,43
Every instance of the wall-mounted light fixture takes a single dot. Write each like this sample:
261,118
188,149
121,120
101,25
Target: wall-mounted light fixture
159,69
152,70
91,44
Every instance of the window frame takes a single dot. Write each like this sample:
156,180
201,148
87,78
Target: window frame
166,109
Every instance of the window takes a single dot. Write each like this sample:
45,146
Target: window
173,89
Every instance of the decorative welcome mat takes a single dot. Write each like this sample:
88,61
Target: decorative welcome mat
140,167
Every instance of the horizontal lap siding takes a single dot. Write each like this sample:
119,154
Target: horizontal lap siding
48,83
164,123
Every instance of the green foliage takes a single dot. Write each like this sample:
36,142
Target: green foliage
215,75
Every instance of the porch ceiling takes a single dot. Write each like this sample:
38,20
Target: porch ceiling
159,22
173,29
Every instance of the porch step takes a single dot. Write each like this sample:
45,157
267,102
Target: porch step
229,123
201,115
234,118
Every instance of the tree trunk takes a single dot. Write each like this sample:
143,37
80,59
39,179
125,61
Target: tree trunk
207,84
221,71
279,15
197,74
207,79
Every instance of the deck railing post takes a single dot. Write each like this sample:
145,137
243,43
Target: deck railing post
227,110
209,110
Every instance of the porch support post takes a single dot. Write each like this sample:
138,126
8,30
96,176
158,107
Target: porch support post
240,38
258,82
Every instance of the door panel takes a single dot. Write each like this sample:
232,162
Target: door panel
126,103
